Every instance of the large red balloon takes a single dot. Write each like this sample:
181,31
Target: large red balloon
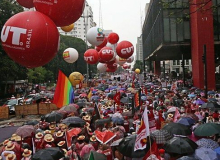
112,66
103,43
106,54
91,56
125,66
111,62
113,38
62,12
111,69
30,39
125,49
26,3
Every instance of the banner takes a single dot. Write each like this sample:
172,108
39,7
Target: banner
117,98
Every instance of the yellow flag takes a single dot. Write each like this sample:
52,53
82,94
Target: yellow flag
89,95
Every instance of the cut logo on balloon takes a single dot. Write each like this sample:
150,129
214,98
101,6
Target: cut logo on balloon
16,37
89,58
127,50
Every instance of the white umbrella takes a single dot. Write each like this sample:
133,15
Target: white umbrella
172,109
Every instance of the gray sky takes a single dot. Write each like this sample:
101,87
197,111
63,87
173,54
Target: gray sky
121,16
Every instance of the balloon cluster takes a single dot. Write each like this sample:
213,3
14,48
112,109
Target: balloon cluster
108,53
31,38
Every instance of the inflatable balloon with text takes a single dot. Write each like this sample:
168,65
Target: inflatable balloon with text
76,78
125,49
95,36
91,56
30,39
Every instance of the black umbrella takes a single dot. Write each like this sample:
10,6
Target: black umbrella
177,129
53,153
95,155
210,105
53,117
124,100
74,122
180,145
33,122
102,121
126,147
213,100
111,95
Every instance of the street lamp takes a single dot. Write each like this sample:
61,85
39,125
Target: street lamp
85,18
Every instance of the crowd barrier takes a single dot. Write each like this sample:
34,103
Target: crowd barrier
35,109
4,113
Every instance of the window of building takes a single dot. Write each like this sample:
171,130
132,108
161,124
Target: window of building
187,62
174,62
166,30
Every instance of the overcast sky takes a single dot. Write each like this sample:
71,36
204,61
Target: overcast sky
121,16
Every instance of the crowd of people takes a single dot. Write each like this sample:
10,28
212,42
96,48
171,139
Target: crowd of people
107,123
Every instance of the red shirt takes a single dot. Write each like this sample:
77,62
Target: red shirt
215,115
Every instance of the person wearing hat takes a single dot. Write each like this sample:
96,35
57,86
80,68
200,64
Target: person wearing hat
52,127
94,142
163,155
59,136
14,148
62,145
48,141
169,118
80,143
11,157
87,118
5,153
38,140
26,154
4,145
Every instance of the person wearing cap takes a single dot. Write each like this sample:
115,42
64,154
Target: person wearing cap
26,154
38,140
163,155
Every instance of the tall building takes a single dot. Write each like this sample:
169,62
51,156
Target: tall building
82,25
139,49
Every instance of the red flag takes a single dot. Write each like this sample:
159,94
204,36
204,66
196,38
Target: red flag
117,98
145,90
133,86
71,133
136,100
153,150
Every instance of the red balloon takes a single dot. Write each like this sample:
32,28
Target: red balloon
111,62
106,54
30,39
63,13
112,66
125,49
103,43
91,56
113,38
111,69
26,3
125,66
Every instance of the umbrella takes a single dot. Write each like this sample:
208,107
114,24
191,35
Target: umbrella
25,131
95,98
74,122
48,154
118,115
124,100
186,158
126,147
217,150
199,102
94,155
210,105
53,117
213,100
118,120
211,92
161,136
191,115
129,113
104,137
33,122
172,109
207,129
207,143
143,98
83,95
180,145
116,143
81,104
177,129
111,95
70,108
102,121
191,95
205,154
186,121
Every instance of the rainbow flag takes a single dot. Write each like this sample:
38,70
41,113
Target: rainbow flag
64,93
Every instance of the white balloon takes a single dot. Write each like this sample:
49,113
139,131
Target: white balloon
120,60
102,67
70,55
130,59
95,36
112,46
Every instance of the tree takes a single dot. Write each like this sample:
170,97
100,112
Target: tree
138,64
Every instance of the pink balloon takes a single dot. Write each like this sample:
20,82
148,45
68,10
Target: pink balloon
91,56
106,54
125,49
26,3
113,38
62,12
30,39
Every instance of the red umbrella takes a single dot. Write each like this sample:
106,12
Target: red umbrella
25,131
104,137
83,95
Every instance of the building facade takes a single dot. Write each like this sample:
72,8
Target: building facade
139,49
